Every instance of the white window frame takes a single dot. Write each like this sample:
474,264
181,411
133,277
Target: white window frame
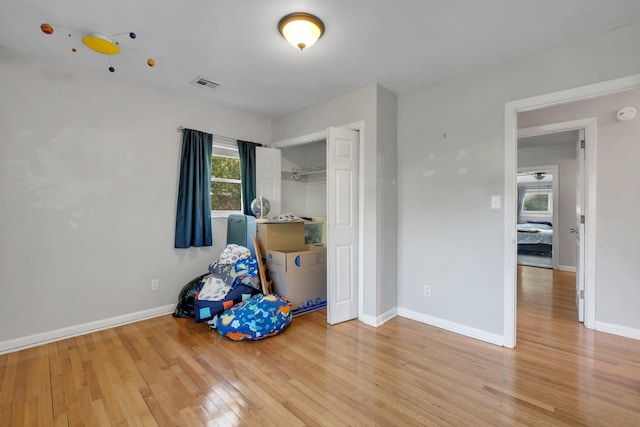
549,194
225,147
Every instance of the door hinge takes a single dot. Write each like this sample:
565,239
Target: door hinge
582,294
582,143
581,219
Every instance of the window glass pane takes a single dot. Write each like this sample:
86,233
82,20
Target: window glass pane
536,202
226,196
225,167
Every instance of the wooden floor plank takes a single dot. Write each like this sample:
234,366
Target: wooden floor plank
167,371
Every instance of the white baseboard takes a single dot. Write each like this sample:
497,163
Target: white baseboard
623,331
17,344
380,320
452,326
566,268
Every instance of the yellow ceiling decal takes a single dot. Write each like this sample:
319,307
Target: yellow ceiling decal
101,44
105,45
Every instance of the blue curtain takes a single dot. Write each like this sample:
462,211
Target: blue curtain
247,152
193,213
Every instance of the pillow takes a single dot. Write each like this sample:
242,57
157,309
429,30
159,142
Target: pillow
205,310
233,253
259,317
540,222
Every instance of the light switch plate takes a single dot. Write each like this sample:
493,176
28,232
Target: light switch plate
496,202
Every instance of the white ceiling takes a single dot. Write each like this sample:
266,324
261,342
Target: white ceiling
401,44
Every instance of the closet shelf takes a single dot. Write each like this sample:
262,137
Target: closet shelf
297,173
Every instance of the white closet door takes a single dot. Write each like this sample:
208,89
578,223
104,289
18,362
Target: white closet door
268,177
342,220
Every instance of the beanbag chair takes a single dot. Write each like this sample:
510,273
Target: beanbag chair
259,317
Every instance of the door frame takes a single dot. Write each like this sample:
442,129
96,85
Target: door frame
512,108
322,136
554,215
590,126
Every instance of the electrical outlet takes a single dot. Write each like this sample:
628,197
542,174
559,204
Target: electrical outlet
155,285
427,290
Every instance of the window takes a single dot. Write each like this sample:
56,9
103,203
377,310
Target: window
226,184
537,202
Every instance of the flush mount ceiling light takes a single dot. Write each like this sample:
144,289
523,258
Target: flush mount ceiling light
301,29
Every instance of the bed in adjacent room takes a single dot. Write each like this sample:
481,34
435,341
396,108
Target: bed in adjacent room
535,238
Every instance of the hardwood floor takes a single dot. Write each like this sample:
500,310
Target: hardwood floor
167,371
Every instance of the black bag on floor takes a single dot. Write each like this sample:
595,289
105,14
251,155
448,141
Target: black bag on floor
187,298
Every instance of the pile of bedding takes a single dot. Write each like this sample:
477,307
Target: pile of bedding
535,232
230,280
229,298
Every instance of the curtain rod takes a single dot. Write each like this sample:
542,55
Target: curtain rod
216,137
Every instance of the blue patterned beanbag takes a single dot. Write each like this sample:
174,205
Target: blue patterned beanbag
259,317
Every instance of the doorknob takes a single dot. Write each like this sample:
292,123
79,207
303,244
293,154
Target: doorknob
574,230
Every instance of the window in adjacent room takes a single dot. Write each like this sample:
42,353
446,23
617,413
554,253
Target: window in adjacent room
537,202
226,184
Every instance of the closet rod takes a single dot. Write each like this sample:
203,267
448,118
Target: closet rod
297,173
311,169
219,138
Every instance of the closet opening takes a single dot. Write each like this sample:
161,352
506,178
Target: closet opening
321,177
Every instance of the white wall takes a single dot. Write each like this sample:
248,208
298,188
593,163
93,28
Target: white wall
89,168
306,196
618,203
563,155
387,176
293,191
448,237
316,184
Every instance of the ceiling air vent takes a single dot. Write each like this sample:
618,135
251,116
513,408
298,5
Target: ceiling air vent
202,82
